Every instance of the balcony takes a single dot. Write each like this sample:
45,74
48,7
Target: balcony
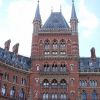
54,71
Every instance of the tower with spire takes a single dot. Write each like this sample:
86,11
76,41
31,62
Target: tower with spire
37,20
54,57
74,20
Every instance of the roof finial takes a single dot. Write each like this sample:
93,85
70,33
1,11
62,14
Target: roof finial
60,8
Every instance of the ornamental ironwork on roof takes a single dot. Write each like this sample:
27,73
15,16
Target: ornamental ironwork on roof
18,61
56,21
88,63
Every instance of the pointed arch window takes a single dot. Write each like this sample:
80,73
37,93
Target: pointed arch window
46,83
54,83
54,68
55,44
63,96
3,90
21,94
54,96
45,96
46,67
63,68
84,95
62,44
63,83
47,44
12,92
94,95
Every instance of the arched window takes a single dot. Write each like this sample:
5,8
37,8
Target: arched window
63,96
55,44
54,68
63,83
47,44
3,90
12,92
84,95
21,94
45,96
46,67
54,83
54,96
83,83
62,44
46,83
93,83
6,76
62,67
94,95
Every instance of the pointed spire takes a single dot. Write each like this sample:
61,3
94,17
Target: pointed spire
37,14
73,15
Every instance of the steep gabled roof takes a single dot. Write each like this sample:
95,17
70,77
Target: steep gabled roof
73,15
37,14
56,21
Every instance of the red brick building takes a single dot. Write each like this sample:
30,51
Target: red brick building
55,70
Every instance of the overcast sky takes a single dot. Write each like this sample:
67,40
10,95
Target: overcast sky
16,18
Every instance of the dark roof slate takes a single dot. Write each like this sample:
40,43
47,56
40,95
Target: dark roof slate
56,21
12,59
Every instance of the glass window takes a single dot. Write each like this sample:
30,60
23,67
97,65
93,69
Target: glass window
45,96
54,96
12,92
15,79
84,95
94,95
3,90
21,95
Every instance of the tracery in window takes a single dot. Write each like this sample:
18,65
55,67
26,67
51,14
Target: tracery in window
62,44
54,83
45,83
47,44
55,44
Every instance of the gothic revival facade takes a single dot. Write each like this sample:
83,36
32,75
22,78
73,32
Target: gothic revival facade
55,71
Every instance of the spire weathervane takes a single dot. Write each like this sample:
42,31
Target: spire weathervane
73,1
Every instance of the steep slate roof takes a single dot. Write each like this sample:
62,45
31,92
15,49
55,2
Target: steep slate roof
88,63
73,15
12,59
37,14
56,21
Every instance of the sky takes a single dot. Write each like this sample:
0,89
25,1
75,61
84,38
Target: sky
16,18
